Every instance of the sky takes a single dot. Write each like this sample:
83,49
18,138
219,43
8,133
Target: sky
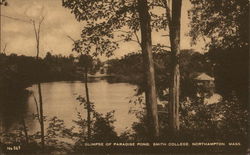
18,35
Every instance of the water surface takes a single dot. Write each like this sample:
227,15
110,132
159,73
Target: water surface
59,100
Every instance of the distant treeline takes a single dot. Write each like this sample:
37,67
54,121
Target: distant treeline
18,72
229,67
21,71
130,69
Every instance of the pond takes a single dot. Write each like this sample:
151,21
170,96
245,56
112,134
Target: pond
59,100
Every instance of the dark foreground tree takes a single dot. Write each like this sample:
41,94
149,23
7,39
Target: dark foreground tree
225,23
173,14
146,45
85,61
175,26
103,18
225,26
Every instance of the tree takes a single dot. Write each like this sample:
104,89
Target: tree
37,29
172,18
86,61
41,120
146,45
226,24
102,19
174,27
173,14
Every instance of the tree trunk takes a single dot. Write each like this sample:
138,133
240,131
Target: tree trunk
37,47
25,131
88,102
0,30
40,93
41,114
174,28
150,92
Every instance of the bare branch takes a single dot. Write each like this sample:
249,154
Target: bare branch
35,30
137,39
37,37
37,33
39,27
134,41
14,18
71,38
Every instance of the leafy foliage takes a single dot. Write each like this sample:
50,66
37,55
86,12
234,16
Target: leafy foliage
101,126
85,61
109,22
224,121
225,22
55,138
231,72
96,37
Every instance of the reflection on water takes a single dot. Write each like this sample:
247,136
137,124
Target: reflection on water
60,100
13,108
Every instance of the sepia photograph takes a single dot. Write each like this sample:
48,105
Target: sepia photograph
124,77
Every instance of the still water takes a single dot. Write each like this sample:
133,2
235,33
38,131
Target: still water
59,100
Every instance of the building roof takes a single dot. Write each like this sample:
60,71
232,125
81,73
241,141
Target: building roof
204,77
